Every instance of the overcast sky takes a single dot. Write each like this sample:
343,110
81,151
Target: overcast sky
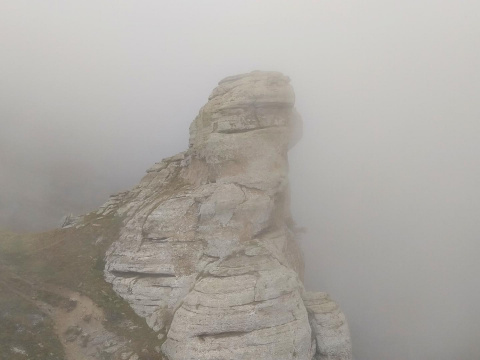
386,178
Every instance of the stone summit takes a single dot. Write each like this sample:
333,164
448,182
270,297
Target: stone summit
207,252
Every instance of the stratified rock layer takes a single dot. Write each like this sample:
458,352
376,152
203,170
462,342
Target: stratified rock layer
208,253
245,306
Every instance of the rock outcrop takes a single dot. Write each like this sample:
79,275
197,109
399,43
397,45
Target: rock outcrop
208,255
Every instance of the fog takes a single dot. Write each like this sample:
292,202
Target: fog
386,178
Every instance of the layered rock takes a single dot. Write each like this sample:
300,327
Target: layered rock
245,306
207,253
329,327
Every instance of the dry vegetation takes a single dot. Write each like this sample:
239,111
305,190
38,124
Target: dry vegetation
32,265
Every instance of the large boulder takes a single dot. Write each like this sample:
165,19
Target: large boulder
208,252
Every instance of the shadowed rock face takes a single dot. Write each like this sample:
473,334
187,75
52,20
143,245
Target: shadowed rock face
208,253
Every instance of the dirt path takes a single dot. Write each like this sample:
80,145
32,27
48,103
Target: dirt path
80,328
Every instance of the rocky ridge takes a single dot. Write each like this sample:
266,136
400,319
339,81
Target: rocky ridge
208,254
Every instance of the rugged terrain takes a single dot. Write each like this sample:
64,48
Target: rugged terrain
55,304
204,249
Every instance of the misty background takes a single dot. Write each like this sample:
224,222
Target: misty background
386,178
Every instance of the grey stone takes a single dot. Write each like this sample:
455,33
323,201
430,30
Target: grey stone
329,327
70,220
207,253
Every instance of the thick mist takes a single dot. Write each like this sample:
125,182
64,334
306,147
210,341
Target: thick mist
386,178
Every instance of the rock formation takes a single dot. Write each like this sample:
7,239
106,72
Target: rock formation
208,255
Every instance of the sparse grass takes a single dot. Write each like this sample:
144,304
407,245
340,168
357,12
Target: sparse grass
74,259
25,328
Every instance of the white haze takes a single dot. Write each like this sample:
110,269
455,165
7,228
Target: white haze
386,178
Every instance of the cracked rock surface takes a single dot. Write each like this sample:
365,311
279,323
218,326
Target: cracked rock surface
207,253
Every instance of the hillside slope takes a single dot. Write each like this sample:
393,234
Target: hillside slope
55,303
